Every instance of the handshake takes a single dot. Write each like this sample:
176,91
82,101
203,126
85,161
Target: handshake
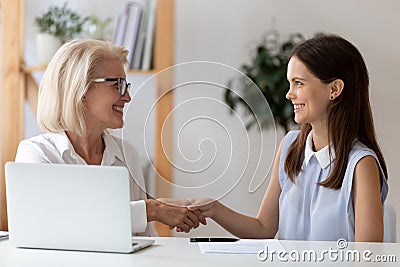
182,214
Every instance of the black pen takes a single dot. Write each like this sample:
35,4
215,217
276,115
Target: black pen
3,236
213,239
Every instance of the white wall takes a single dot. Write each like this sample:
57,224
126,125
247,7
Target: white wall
225,30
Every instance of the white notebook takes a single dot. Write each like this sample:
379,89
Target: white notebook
242,246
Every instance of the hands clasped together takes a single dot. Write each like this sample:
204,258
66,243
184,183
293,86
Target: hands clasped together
182,214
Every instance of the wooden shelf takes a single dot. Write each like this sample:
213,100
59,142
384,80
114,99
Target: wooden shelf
18,86
31,69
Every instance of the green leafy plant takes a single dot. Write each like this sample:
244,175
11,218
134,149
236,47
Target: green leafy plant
62,22
97,27
267,70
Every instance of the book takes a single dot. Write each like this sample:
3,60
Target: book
138,53
132,30
149,40
119,34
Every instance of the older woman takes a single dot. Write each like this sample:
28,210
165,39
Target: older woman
83,94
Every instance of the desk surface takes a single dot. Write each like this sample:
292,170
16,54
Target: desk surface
179,252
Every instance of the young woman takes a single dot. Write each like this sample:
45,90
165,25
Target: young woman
329,180
82,94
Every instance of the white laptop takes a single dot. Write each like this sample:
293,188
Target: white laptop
70,207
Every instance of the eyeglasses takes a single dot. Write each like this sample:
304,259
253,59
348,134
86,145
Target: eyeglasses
123,85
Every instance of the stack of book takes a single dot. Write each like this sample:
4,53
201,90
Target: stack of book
135,31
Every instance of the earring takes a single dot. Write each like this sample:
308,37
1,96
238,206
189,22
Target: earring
331,97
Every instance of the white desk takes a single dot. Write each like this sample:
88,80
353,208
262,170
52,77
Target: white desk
179,252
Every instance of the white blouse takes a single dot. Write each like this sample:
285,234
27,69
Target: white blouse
56,148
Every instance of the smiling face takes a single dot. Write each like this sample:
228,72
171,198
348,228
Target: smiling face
310,96
103,104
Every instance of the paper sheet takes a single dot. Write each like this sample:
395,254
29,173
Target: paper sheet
243,246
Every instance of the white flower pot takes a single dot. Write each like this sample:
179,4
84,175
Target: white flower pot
46,45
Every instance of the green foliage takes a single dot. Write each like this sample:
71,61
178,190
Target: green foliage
62,22
94,20
97,28
267,70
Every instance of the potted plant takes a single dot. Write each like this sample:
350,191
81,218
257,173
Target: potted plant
56,26
267,70
97,27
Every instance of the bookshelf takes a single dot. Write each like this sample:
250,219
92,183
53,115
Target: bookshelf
18,85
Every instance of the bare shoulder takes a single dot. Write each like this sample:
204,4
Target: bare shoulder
366,174
367,167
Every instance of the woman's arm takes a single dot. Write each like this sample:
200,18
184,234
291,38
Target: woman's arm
265,225
367,201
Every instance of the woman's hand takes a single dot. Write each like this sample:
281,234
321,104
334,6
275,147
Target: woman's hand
207,206
175,201
203,208
173,215
185,203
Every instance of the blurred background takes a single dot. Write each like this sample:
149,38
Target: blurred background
228,32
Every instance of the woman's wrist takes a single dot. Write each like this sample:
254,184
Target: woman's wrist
215,209
151,209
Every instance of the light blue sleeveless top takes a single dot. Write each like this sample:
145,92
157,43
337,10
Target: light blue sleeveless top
308,211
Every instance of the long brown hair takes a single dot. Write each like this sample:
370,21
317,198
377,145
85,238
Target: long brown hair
330,57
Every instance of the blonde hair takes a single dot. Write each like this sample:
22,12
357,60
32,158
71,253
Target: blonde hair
66,80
